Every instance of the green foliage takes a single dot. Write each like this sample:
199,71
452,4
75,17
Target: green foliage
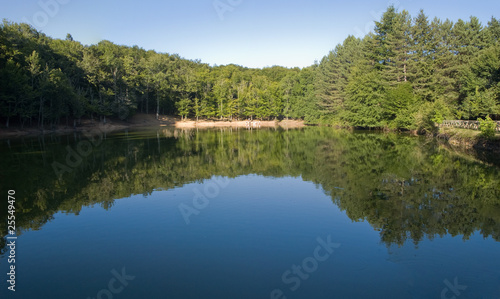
426,71
184,107
365,100
480,83
425,118
428,115
399,105
409,74
488,127
44,81
334,73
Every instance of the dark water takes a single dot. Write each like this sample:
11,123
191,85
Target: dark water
312,213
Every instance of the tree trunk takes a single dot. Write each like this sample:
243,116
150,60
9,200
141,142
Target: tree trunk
157,107
405,71
147,98
40,114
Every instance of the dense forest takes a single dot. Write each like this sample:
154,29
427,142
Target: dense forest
410,73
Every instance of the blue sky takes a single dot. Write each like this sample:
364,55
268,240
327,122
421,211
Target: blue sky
252,33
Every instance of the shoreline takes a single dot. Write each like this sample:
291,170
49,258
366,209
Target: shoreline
143,121
458,138
240,124
470,142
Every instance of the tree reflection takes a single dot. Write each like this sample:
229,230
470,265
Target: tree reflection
406,187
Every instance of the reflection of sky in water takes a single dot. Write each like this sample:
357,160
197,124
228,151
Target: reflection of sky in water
368,192
253,230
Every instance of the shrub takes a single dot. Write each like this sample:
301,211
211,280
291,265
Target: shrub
487,127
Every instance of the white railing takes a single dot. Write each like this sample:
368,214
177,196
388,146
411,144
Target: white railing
465,124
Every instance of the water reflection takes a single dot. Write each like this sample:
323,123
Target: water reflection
408,188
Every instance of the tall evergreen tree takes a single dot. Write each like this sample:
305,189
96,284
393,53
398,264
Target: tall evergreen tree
333,74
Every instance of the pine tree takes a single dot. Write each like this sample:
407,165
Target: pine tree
494,29
423,47
365,99
398,46
480,84
333,74
445,65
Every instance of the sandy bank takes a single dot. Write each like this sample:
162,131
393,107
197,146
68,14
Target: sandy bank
240,124
144,120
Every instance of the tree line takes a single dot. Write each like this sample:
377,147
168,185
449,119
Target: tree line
412,73
408,74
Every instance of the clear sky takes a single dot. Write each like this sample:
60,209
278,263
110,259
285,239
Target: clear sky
252,33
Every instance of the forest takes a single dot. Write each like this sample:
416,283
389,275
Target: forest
409,73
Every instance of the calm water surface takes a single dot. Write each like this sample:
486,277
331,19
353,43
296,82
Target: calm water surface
311,213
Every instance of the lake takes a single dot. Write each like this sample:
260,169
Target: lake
237,213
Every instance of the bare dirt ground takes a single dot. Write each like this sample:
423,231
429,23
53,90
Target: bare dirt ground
145,120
